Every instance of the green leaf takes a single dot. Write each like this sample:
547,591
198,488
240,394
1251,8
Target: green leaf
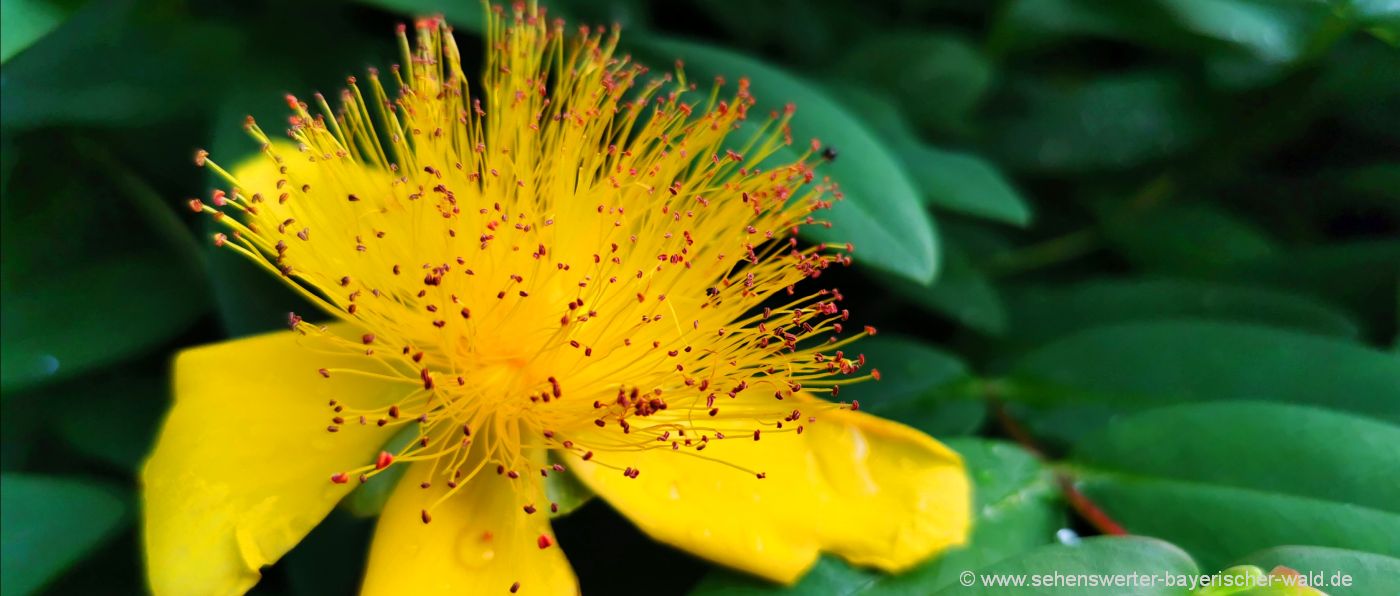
1362,276
565,490
1370,573
881,213
469,16
1038,314
1017,510
1251,475
962,293
1081,381
117,55
93,314
953,180
49,523
1266,31
25,22
120,413
921,386
937,79
1190,238
1103,555
368,499
1109,123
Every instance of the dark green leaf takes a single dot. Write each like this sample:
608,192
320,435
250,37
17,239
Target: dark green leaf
468,16
121,413
48,523
116,63
1362,276
1104,555
1017,510
1274,32
920,386
1370,573
1039,314
565,490
962,293
952,180
1191,238
1225,479
937,79
1109,123
91,315
25,22
1083,380
881,213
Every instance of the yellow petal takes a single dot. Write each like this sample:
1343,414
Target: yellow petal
875,492
241,470
479,542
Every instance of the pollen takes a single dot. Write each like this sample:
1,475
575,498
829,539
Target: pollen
572,254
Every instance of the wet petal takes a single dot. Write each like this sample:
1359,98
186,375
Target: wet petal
875,492
241,470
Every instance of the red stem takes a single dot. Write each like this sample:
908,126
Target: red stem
1078,501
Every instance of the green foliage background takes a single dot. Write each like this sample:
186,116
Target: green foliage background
1158,240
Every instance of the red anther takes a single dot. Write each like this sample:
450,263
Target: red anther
870,330
367,338
554,387
855,405
544,542
466,313
340,478
762,475
515,587
394,411
385,458
427,379
558,467
599,423
513,474
587,455
220,239
196,205
875,373
200,157
426,516
325,373
554,508
530,509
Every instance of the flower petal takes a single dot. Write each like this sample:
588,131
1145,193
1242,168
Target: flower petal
241,470
872,491
479,542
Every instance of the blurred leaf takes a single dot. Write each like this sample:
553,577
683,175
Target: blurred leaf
49,523
1371,573
1268,31
1039,314
116,63
21,421
565,490
1080,382
962,293
920,386
937,79
25,22
881,213
368,499
1017,510
1185,238
119,415
1102,555
1112,122
952,180
1362,276
91,315
469,16
1251,475
329,559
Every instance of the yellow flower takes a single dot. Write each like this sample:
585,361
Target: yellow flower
567,270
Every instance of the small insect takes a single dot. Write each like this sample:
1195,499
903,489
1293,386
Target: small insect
829,153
